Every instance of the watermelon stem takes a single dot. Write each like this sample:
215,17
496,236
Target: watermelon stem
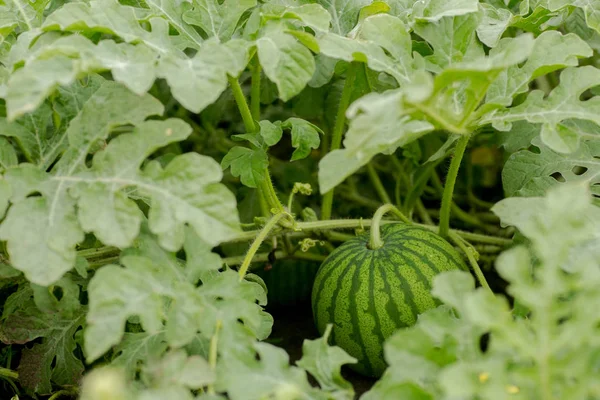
376,182
262,235
265,186
375,241
338,130
459,152
472,256
255,89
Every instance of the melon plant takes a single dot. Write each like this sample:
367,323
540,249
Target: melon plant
368,293
152,152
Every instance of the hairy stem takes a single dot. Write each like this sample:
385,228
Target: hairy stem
60,393
375,241
255,90
268,191
9,373
97,263
338,130
314,226
381,192
262,235
266,186
99,252
242,104
469,250
459,152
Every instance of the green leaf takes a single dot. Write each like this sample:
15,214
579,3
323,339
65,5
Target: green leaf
535,19
200,260
247,164
217,19
551,51
50,227
117,294
591,9
379,124
562,104
325,363
377,35
8,155
186,191
270,376
51,360
167,293
102,208
150,55
575,23
344,13
494,23
453,40
305,137
173,13
23,97
435,10
312,15
519,137
25,14
530,173
205,73
177,369
285,61
5,195
50,221
138,348
270,133
31,133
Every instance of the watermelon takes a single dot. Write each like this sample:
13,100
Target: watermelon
289,282
368,294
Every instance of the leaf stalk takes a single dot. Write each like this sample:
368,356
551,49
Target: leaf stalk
338,130
459,152
260,238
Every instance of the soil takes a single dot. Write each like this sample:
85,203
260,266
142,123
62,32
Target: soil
293,325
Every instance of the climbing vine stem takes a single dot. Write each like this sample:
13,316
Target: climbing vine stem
266,185
255,90
338,130
375,241
471,254
9,373
262,235
459,152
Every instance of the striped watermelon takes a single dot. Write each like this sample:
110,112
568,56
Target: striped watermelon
368,294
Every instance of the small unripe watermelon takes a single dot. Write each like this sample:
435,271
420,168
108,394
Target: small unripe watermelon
289,282
368,294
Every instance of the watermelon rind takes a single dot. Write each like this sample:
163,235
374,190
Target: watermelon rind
369,294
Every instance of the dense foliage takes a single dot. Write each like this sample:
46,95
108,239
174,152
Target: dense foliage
153,153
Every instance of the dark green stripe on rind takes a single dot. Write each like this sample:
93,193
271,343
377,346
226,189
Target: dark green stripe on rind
368,294
357,311
418,284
